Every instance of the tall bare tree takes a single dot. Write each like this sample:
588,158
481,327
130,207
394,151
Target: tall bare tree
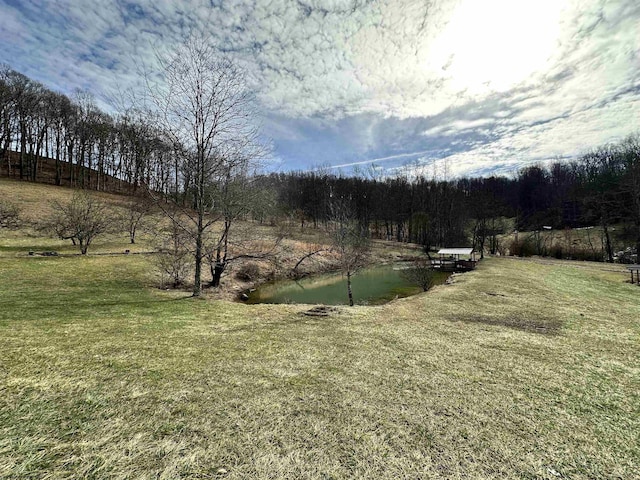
630,152
203,102
350,241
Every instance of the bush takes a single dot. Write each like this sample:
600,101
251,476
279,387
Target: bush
557,252
9,215
248,272
173,258
587,255
522,248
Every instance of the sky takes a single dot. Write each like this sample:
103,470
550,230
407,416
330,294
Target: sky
436,87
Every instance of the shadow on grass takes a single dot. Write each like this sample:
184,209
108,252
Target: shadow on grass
539,324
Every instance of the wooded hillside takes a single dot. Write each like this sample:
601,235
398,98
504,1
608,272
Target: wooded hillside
47,137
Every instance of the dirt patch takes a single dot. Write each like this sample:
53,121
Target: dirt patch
542,325
320,311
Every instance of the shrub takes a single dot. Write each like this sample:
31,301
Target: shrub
557,252
587,255
173,258
522,248
248,272
9,215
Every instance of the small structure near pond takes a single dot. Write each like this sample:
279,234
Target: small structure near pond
635,273
455,260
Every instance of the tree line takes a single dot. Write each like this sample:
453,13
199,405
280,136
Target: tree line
88,147
196,152
601,188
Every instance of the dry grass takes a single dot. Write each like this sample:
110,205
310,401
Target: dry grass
35,199
103,376
571,243
36,202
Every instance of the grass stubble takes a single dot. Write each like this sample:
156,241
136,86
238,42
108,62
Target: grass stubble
520,369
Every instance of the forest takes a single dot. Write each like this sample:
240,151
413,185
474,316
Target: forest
46,136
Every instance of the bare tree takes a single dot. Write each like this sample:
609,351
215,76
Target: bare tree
173,257
80,220
202,100
9,214
630,152
312,250
235,198
7,113
603,170
136,211
349,240
420,273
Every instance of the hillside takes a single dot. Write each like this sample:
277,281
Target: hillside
63,174
35,199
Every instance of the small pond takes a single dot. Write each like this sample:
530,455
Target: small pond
371,286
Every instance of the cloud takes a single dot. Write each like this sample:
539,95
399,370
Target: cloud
495,83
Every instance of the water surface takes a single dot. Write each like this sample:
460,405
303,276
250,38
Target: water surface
371,286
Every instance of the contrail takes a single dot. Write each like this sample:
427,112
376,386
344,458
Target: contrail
381,159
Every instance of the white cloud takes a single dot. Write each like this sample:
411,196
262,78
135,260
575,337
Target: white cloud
503,81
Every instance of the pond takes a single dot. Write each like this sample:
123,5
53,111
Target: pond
371,286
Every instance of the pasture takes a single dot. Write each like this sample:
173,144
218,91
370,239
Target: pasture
520,369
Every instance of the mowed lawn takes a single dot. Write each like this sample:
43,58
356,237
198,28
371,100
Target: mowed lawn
521,369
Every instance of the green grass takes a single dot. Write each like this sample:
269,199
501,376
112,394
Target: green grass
520,369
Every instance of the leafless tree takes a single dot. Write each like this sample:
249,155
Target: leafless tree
203,103
136,211
80,220
350,241
9,214
312,250
173,257
233,197
630,152
420,273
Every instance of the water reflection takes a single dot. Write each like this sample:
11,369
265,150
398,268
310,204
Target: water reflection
372,286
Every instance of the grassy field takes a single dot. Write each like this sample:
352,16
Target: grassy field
521,369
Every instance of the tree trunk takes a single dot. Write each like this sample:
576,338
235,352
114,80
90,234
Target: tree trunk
58,166
70,163
197,281
607,239
217,270
23,148
349,289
